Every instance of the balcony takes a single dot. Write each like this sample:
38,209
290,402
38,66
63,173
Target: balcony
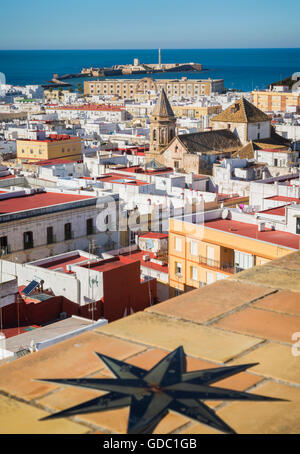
69,235
28,245
4,250
227,267
51,239
90,230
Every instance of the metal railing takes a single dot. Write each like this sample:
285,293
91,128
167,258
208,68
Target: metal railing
69,235
28,245
229,267
51,239
4,250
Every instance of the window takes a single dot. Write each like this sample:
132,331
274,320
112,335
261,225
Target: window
178,244
50,237
176,165
178,268
28,240
68,232
210,256
132,237
242,261
298,226
194,273
194,249
89,226
3,245
209,278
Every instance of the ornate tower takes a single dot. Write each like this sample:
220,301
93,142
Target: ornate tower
162,126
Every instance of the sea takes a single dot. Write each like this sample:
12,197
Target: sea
241,69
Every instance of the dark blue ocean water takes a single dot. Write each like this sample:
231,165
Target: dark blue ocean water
243,69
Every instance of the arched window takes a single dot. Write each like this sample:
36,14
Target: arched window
154,134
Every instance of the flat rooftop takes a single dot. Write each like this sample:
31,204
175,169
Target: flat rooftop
277,211
96,107
107,264
118,178
280,198
247,318
140,170
154,235
52,138
285,239
134,256
39,200
45,333
61,263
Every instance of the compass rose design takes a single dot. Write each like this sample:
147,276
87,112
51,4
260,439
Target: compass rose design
151,394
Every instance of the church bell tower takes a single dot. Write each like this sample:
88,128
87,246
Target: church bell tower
162,126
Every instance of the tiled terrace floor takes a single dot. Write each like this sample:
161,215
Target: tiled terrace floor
250,317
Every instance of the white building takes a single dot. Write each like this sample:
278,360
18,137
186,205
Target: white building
245,121
35,223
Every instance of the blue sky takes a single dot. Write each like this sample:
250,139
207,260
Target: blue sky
140,24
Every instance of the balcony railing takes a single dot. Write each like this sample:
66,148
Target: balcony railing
28,245
90,230
228,267
51,239
4,250
69,235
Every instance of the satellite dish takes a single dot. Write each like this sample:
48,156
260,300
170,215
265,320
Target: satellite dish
225,214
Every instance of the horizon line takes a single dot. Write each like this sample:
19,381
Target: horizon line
155,48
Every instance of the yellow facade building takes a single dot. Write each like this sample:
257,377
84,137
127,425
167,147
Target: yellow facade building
274,101
53,147
197,112
133,88
217,248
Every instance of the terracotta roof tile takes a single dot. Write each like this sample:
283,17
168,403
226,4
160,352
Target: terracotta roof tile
241,111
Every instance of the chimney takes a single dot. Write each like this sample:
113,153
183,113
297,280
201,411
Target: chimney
235,108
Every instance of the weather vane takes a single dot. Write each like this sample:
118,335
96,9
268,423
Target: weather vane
152,393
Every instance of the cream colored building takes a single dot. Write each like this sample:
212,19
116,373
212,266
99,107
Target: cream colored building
245,120
53,147
274,101
194,111
57,95
132,88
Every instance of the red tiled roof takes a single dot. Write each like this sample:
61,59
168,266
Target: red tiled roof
99,107
43,199
52,138
11,332
154,235
51,162
138,255
7,176
281,198
274,150
63,262
278,237
278,211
